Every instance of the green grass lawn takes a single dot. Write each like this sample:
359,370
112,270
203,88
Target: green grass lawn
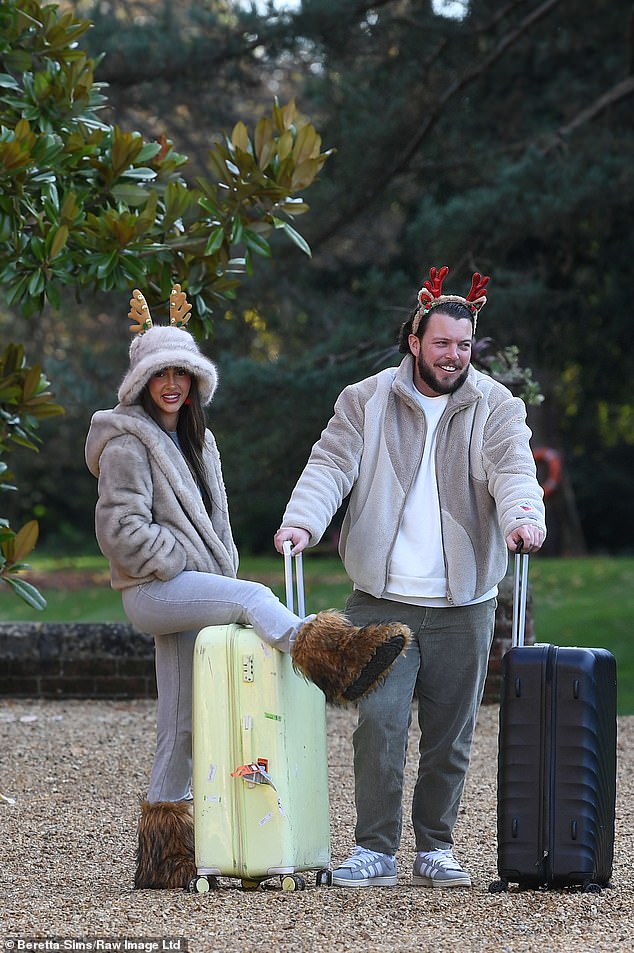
586,602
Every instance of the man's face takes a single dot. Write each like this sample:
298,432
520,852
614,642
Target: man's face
442,357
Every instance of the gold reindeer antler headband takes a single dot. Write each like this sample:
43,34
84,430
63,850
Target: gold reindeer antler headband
140,313
430,295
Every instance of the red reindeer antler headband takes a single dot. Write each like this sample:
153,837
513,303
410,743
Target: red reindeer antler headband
430,295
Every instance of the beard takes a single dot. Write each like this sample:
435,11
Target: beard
428,374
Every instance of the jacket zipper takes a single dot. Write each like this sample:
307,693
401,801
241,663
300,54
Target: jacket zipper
409,487
444,423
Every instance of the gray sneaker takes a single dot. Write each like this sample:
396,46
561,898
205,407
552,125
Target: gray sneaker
366,868
439,868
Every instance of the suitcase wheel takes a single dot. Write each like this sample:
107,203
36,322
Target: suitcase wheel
250,884
499,886
292,882
202,884
592,888
323,878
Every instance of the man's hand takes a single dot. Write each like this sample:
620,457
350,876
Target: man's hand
298,537
532,536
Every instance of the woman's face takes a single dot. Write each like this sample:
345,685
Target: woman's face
169,389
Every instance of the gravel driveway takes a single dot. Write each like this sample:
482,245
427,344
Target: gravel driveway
76,770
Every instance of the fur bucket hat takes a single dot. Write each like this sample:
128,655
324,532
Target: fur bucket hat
156,347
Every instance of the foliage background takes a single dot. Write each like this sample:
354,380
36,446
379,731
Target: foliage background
501,142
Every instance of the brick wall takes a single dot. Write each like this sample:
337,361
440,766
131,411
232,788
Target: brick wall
76,660
115,660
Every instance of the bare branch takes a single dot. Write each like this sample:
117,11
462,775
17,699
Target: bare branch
414,142
614,95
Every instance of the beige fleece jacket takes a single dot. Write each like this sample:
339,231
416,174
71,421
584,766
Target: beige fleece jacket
150,520
372,448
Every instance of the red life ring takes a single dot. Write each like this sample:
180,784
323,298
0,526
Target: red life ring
552,459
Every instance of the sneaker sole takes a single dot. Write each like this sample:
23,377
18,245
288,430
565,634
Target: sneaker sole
419,881
389,881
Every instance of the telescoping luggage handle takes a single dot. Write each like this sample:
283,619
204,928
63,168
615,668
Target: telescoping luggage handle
299,579
520,592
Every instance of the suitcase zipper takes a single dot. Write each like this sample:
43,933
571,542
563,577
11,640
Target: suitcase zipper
548,780
235,737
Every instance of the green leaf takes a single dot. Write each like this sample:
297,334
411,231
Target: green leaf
141,174
256,243
17,291
37,283
149,151
236,232
27,592
215,241
24,442
8,82
293,235
53,295
107,265
133,195
209,206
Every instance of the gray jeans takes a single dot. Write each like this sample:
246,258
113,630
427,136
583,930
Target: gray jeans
445,668
174,612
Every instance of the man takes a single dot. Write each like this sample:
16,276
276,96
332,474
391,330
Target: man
436,458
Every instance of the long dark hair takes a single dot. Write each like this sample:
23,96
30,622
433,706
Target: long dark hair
190,429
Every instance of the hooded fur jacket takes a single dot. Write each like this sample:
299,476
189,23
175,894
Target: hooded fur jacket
150,520
372,449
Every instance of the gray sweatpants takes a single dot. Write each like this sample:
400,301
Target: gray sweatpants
445,667
174,612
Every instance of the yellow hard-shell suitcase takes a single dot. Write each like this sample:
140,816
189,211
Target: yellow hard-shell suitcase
260,770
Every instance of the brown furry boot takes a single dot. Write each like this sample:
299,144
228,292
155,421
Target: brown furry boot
165,853
345,661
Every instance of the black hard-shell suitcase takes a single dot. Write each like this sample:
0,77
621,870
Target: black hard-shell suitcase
556,761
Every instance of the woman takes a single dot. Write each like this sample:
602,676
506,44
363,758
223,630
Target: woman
162,522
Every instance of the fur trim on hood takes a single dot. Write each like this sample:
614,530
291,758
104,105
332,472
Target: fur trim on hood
166,347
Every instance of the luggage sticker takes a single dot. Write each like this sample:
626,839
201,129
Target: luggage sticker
254,773
257,773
